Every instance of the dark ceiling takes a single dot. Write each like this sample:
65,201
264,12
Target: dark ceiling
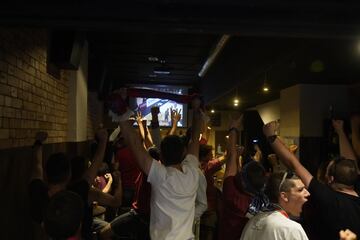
284,42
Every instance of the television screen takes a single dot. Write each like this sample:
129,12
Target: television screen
144,105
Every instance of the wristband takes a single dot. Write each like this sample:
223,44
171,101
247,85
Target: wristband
271,138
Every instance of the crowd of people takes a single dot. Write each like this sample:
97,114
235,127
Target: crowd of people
153,188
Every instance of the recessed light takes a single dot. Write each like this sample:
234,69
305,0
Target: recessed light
265,89
153,59
212,111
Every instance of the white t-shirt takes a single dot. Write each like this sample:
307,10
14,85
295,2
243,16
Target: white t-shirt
272,226
201,199
172,201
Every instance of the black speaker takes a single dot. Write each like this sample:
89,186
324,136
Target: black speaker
65,49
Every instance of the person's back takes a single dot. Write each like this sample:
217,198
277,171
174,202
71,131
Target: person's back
172,197
272,226
336,210
174,182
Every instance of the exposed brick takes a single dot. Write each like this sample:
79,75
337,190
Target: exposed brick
3,70
5,143
5,122
8,101
4,133
2,100
5,89
3,77
13,92
13,81
11,70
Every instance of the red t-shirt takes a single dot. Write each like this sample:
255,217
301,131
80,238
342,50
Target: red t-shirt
235,205
127,166
142,195
211,192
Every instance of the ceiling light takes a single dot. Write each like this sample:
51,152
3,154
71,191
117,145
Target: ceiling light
153,59
212,111
209,127
236,100
236,104
265,87
162,70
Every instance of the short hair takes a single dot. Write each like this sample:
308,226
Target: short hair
344,171
273,188
172,150
63,215
57,168
154,153
253,176
204,150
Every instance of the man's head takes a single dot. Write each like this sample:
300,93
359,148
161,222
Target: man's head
63,215
252,177
342,171
287,190
172,150
58,169
205,153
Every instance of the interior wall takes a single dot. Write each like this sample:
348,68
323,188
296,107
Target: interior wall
78,98
269,111
31,100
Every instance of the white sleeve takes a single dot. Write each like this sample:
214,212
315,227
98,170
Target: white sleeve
201,199
157,173
297,234
191,160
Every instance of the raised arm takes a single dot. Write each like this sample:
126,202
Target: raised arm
175,118
37,172
231,162
346,150
285,155
98,158
193,147
205,131
109,182
132,140
155,129
355,128
140,125
107,199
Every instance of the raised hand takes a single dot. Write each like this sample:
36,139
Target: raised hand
175,116
138,117
196,102
347,235
155,111
235,123
269,129
41,136
338,125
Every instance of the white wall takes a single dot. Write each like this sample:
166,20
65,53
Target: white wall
269,111
77,107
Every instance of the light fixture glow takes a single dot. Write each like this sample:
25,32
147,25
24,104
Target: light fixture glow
212,111
265,89
209,127
236,100
236,104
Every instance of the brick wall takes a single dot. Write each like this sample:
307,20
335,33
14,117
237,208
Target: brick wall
30,98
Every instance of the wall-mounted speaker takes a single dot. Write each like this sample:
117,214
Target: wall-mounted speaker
65,49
